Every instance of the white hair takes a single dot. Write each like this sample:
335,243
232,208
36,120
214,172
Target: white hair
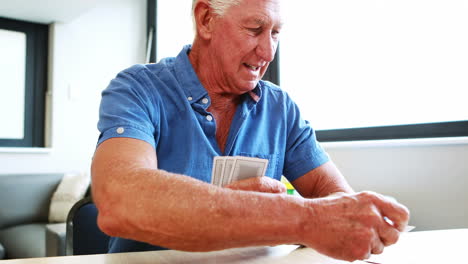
219,6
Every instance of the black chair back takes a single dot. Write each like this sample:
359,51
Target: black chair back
83,234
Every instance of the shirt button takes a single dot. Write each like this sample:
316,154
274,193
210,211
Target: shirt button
209,118
190,98
120,130
204,100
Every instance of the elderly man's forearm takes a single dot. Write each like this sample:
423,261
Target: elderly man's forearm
182,213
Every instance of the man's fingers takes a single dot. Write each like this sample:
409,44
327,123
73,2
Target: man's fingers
376,245
394,211
378,248
388,234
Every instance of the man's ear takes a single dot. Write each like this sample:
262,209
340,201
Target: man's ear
203,19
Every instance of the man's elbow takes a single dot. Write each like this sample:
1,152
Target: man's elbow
109,219
108,222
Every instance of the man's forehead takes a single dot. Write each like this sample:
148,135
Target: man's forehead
261,16
261,21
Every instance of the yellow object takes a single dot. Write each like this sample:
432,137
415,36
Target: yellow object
289,187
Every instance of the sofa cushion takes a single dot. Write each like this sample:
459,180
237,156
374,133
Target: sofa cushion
24,241
55,239
71,189
26,197
2,252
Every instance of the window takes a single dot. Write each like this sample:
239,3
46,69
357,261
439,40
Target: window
23,82
362,70
378,69
173,16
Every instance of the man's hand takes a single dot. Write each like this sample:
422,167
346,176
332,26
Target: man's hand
352,226
258,184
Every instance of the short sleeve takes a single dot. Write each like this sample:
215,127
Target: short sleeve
127,108
303,151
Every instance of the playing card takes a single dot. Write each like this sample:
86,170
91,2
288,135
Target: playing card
228,169
246,167
216,174
390,222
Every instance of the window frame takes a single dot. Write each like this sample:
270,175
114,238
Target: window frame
151,30
273,72
404,131
409,131
35,82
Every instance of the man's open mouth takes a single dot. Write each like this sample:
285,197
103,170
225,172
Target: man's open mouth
254,68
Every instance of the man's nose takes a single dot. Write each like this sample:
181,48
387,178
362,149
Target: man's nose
266,47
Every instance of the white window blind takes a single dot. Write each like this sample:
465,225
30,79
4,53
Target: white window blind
12,83
369,63
174,27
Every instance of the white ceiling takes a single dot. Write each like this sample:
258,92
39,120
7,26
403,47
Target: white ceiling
45,11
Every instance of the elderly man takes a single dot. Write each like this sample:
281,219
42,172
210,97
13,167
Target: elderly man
162,124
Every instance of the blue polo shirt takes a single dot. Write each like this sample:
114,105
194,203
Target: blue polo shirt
165,105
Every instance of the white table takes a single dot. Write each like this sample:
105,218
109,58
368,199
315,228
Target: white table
427,247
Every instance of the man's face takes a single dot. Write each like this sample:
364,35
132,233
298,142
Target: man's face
243,43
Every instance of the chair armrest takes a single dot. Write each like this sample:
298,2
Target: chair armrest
55,239
2,251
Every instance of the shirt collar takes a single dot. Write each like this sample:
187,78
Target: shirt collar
192,86
188,79
256,94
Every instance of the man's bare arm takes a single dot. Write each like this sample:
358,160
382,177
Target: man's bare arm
140,202
137,201
322,181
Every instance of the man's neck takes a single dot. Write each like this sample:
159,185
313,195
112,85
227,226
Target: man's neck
198,57
220,102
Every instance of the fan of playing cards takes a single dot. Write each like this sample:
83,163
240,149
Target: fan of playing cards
227,169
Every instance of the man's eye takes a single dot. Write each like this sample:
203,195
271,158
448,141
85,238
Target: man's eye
256,30
275,34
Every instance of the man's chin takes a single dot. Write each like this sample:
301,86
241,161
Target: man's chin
248,86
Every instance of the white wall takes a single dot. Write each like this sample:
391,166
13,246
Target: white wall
430,178
86,53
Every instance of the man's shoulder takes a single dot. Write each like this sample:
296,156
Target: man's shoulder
267,85
150,68
148,79
270,89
